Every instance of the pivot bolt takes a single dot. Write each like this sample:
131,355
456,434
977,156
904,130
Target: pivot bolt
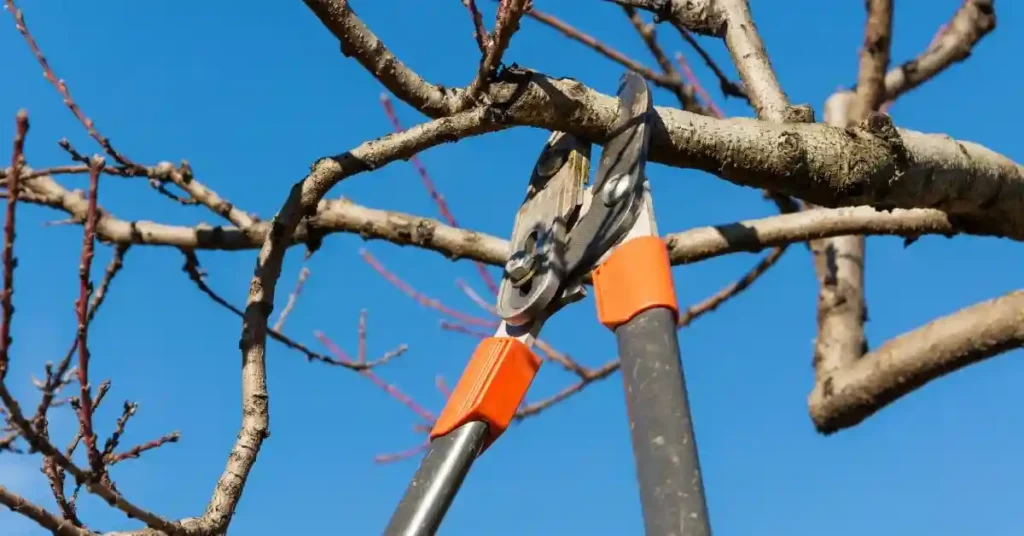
520,267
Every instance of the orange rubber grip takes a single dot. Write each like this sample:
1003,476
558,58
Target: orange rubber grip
636,277
491,388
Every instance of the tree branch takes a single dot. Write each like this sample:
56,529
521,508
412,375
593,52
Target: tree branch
359,42
973,21
49,521
839,261
839,266
302,200
686,94
507,23
913,359
686,247
874,60
9,262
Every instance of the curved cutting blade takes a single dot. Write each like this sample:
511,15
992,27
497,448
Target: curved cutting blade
618,185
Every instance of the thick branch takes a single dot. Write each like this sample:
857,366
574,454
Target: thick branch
751,60
334,216
754,235
730,20
839,261
359,42
823,165
911,360
839,266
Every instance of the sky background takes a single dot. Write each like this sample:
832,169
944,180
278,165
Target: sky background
252,95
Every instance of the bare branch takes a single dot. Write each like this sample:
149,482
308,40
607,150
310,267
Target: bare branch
688,75
19,505
874,60
752,61
93,485
591,376
711,303
666,79
973,21
406,400
113,268
509,13
728,87
913,359
684,93
292,299
303,199
359,42
137,450
420,298
9,262
196,275
839,266
82,310
839,261
19,22
404,229
435,195
479,32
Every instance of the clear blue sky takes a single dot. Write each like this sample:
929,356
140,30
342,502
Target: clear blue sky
251,96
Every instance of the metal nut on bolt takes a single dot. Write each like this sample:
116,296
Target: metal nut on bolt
615,188
520,267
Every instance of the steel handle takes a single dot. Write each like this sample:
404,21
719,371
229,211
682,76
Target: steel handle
438,479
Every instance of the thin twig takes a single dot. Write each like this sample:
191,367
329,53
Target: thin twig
113,268
197,276
421,298
137,450
403,455
712,302
480,34
7,294
728,87
82,310
435,195
688,75
62,88
507,23
115,437
405,399
683,92
292,299
591,376
93,485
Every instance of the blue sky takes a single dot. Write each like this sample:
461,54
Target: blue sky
252,96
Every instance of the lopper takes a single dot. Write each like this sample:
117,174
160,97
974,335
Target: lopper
563,233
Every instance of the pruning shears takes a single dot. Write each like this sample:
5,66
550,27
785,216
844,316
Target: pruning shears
564,232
